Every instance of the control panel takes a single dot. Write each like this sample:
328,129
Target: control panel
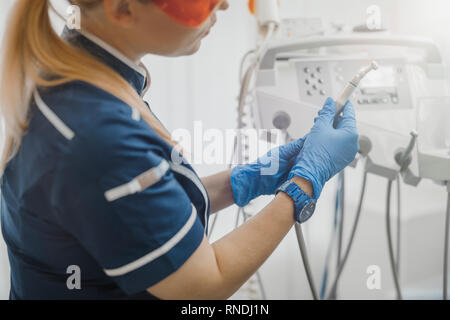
385,88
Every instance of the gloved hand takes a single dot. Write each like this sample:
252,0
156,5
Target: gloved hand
266,175
326,150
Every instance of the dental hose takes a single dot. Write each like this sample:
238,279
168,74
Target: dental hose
399,229
390,245
323,287
334,233
332,293
306,264
337,233
446,246
341,218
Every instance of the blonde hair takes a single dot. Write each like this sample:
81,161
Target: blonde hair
36,56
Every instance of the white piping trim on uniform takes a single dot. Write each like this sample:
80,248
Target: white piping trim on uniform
52,117
135,114
191,176
116,53
169,245
140,183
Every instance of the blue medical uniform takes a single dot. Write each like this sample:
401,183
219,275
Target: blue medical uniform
94,187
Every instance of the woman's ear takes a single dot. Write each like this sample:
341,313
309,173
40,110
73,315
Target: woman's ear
121,12
224,5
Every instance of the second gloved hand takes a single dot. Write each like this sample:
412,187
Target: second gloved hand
264,176
327,150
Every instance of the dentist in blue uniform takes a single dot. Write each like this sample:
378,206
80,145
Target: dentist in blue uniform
89,188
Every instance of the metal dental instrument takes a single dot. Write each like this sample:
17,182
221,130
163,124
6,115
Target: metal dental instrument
352,85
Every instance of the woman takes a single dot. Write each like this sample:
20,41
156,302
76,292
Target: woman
92,204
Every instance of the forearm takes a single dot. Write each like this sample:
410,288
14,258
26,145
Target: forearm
242,252
219,190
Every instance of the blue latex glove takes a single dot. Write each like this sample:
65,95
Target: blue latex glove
327,150
266,175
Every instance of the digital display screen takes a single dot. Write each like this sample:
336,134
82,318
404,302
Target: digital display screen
385,76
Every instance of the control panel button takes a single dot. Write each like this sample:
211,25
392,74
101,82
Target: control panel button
363,101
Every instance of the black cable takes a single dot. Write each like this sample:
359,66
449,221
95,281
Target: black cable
341,220
302,246
323,287
341,224
399,224
390,245
352,237
339,230
446,245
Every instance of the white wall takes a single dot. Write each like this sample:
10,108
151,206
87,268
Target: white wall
204,87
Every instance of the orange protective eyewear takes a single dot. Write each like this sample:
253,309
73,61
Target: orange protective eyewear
188,12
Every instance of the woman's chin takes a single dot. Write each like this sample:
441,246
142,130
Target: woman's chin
196,47
185,51
192,49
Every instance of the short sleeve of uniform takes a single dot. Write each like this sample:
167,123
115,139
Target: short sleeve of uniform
116,194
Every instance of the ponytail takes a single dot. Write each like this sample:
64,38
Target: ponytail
36,56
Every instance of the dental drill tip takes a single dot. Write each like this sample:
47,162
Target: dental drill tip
374,65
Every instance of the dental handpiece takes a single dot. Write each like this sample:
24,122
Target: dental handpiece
351,87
